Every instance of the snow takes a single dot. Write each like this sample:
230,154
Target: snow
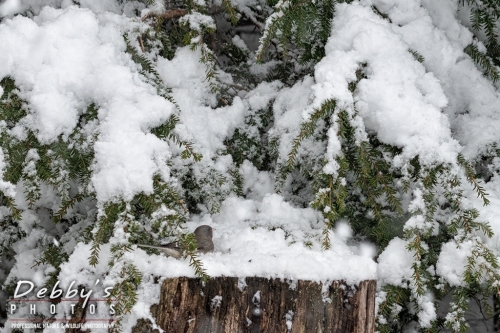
452,261
473,103
244,246
256,184
10,7
185,75
394,264
398,100
198,22
427,313
65,57
266,238
240,43
287,109
39,55
7,188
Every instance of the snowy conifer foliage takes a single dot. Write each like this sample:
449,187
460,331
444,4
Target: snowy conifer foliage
323,140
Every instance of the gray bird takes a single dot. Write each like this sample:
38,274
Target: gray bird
203,235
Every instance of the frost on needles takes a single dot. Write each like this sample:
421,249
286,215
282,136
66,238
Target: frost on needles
322,139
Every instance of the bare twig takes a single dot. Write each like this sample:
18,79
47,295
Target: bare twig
169,14
237,86
248,13
141,43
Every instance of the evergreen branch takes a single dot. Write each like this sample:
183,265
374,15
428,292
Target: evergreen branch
482,60
455,319
9,202
471,178
417,247
331,202
230,11
307,128
189,247
271,27
31,180
418,57
281,21
104,228
208,59
395,299
166,130
124,294
251,16
476,19
65,205
326,243
489,26
301,25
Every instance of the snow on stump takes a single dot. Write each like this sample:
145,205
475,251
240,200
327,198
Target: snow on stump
256,304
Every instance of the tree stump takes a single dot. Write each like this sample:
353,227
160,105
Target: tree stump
255,304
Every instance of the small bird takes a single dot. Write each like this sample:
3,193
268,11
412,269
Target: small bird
203,235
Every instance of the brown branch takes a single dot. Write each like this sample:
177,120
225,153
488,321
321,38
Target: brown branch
169,14
141,43
237,86
248,13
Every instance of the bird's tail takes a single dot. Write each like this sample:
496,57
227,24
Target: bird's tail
176,253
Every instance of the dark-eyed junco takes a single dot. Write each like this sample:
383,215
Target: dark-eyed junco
203,235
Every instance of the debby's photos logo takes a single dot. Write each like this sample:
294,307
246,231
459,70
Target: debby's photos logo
34,307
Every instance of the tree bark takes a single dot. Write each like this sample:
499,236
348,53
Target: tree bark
255,305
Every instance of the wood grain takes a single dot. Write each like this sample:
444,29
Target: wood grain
257,305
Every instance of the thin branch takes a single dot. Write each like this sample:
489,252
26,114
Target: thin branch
141,43
248,13
236,86
169,14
